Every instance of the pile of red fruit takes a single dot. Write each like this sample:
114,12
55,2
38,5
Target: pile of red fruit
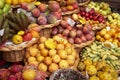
42,14
90,14
13,73
74,34
68,5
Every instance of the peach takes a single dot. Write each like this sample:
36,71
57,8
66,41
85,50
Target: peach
42,7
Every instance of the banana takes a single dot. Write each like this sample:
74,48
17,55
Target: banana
104,57
96,59
14,26
24,19
6,32
112,57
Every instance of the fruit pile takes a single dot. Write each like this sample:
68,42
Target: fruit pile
51,54
97,70
98,52
101,7
17,2
18,72
68,5
4,7
114,18
74,34
42,14
11,24
14,72
91,14
109,34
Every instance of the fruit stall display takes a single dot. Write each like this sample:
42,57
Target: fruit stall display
59,40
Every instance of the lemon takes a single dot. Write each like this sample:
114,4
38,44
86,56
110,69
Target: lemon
21,33
17,39
108,45
37,3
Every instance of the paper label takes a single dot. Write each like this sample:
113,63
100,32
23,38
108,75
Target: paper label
1,32
108,28
71,22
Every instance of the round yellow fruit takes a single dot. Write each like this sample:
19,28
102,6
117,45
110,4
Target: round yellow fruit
17,39
34,63
44,52
70,59
48,60
30,59
42,67
42,39
62,54
33,51
52,52
40,58
60,46
21,33
29,74
63,64
56,58
53,67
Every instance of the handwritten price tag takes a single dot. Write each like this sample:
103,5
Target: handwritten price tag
71,22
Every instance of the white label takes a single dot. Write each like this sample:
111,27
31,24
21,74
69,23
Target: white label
71,22
108,28
1,32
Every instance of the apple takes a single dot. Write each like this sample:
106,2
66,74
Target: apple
27,36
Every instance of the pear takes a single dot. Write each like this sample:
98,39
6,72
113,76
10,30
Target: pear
2,3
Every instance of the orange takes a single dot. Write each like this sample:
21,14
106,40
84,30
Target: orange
74,53
60,46
33,51
56,58
34,34
30,59
103,32
53,67
48,60
41,46
70,59
29,74
107,36
42,39
44,52
34,63
42,67
98,37
52,52
68,50
40,58
63,64
62,54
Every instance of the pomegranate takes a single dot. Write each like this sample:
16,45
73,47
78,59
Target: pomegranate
16,68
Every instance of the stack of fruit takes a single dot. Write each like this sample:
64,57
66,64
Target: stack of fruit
51,54
101,7
69,6
114,18
74,34
91,14
11,24
4,7
97,52
17,2
42,14
97,70
109,34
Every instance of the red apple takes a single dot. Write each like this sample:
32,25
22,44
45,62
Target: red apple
69,27
73,33
64,23
27,37
66,32
79,33
77,40
75,6
85,30
83,38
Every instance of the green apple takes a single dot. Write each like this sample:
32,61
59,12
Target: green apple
6,8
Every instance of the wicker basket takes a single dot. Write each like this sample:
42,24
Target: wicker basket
47,29
83,2
14,56
71,12
15,53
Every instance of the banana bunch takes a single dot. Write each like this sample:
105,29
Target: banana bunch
11,23
97,52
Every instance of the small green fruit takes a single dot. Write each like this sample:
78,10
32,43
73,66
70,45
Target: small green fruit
2,3
6,8
1,12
